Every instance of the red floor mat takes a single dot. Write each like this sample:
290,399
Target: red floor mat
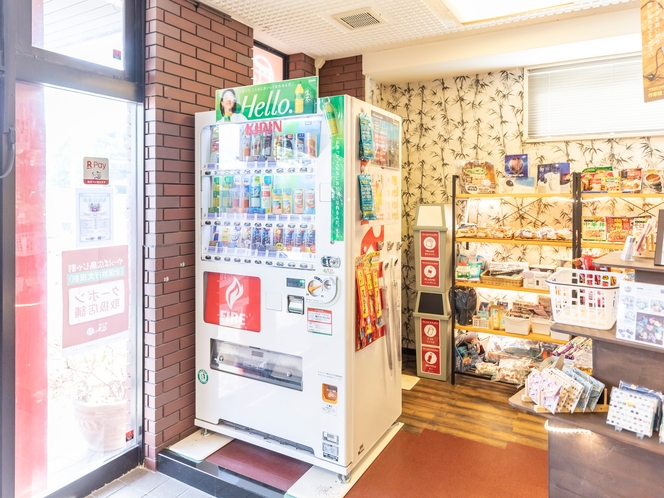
262,465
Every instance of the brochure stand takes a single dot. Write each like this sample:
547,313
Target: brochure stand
431,315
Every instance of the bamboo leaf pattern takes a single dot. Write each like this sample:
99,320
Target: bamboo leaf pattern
449,121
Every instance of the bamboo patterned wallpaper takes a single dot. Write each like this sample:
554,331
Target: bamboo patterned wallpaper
453,120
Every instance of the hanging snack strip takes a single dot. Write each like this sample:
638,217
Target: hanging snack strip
367,205
369,306
364,330
366,147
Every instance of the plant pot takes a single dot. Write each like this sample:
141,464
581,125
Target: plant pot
103,426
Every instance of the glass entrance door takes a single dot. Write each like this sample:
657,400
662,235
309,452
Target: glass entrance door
77,285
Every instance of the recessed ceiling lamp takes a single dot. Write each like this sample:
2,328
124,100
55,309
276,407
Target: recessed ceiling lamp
470,11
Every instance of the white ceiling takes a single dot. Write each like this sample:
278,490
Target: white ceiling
421,38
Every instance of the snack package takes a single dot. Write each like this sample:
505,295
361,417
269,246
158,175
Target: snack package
612,184
593,228
651,181
617,228
594,179
630,180
367,205
638,224
478,177
466,230
366,147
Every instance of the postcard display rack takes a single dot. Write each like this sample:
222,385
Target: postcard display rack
587,455
431,315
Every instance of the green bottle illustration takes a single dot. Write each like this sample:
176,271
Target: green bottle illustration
331,117
299,99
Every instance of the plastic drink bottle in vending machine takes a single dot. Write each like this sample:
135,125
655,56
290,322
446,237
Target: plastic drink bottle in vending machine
276,201
226,184
299,144
266,194
246,191
310,201
299,99
246,146
255,200
298,201
287,201
236,192
266,149
310,139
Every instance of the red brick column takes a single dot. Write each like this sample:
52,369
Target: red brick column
342,76
300,66
190,53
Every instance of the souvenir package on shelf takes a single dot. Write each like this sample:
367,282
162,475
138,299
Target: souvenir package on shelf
558,387
634,408
553,178
630,180
651,181
478,177
517,179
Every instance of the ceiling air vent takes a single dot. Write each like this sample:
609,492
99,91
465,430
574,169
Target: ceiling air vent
359,18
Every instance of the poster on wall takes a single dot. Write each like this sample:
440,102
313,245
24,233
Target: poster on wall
652,51
94,221
95,294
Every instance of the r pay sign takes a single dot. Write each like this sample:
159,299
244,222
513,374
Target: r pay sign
95,171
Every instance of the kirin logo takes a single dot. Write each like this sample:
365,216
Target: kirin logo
234,292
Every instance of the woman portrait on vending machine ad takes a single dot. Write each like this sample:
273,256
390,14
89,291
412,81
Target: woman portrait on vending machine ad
229,107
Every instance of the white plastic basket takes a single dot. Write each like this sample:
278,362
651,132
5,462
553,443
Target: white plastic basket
584,298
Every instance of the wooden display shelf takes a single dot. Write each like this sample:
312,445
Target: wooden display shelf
530,337
528,242
462,283
590,195
640,264
603,335
594,422
517,195
614,246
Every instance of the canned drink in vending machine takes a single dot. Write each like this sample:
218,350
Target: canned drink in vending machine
256,236
235,235
300,236
245,236
311,145
267,236
278,239
289,235
311,240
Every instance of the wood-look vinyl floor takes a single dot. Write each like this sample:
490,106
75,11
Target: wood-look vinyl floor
473,409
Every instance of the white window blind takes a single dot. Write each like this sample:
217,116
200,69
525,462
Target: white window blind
591,98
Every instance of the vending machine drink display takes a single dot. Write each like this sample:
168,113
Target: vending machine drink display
283,359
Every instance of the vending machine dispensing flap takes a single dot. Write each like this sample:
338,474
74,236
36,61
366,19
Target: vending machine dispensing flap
281,369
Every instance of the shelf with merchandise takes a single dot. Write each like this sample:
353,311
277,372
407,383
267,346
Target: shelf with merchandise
530,337
598,195
531,242
519,195
481,285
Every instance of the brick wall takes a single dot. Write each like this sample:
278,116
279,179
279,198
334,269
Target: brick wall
300,66
190,53
342,76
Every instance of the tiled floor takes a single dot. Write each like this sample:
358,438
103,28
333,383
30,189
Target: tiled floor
143,483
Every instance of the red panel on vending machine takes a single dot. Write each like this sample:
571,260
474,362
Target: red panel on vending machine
233,301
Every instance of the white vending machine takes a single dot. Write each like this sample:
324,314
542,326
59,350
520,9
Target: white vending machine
295,234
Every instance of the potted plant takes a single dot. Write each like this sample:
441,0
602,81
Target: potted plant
96,382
